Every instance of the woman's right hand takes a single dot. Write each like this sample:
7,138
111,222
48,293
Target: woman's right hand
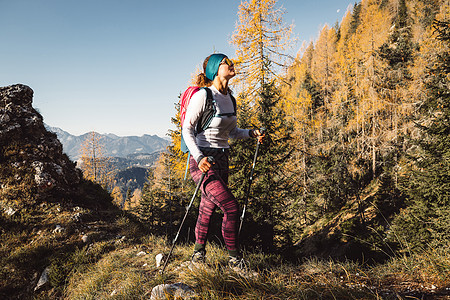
204,165
259,134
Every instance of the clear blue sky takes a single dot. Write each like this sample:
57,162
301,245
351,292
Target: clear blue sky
116,66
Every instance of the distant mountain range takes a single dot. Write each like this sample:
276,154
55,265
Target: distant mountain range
114,146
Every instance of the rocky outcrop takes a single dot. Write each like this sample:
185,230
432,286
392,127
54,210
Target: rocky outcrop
46,207
30,156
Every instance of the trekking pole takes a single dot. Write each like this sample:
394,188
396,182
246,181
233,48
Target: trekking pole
247,194
210,160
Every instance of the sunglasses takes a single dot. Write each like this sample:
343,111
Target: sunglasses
227,61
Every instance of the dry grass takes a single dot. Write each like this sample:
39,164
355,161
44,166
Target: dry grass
117,274
427,271
111,269
122,274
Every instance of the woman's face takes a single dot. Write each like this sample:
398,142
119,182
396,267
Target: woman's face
226,69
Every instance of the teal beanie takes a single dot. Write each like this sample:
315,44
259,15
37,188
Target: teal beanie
213,65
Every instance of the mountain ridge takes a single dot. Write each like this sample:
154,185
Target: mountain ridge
114,145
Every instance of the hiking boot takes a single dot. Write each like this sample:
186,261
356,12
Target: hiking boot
199,257
198,261
241,267
237,263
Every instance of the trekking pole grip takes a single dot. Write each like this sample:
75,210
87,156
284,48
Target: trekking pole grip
262,130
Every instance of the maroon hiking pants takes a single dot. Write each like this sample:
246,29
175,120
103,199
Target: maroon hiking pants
215,192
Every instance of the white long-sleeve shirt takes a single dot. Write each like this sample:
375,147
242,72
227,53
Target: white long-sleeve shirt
219,131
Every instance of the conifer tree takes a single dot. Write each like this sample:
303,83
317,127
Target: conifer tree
154,206
355,18
267,221
146,210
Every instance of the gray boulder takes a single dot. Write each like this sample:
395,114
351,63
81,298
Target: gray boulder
43,280
177,290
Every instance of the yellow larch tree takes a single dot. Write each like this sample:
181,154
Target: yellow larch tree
322,71
297,103
94,164
323,67
117,196
370,35
261,39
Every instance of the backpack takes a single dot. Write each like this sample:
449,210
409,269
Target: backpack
208,114
205,119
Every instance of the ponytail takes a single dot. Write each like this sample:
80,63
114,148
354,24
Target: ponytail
202,81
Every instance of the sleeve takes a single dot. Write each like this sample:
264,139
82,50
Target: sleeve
238,133
193,113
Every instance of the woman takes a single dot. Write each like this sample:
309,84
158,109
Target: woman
218,69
